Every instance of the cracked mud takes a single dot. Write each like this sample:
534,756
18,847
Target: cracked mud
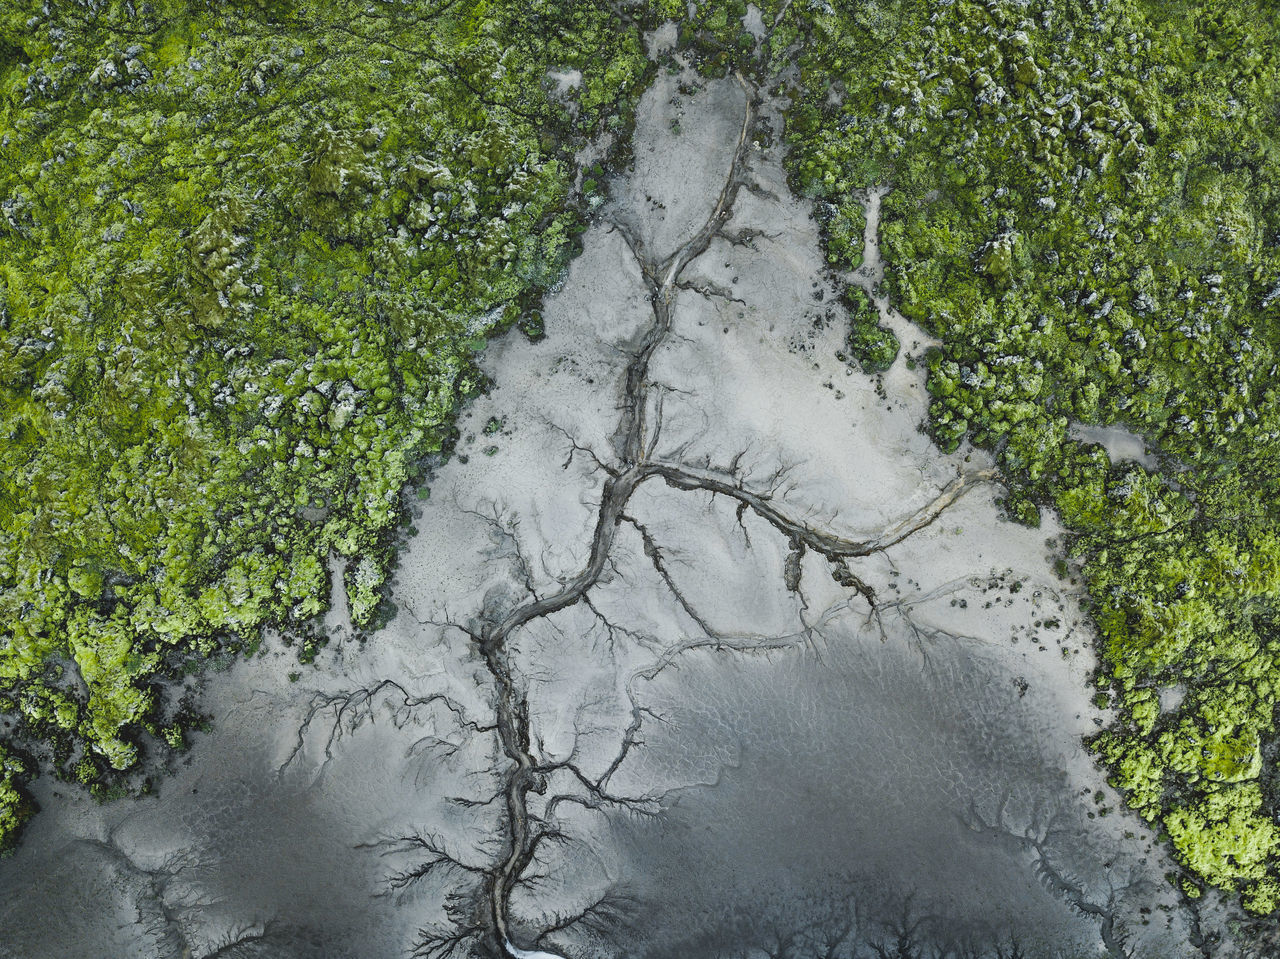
713,654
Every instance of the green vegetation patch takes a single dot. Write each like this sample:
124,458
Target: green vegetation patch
1084,210
15,808
247,250
872,345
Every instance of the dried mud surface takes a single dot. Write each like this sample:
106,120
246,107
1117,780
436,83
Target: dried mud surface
702,649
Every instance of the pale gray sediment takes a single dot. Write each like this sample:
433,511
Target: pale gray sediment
1122,445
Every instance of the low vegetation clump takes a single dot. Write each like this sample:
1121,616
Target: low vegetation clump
1084,211
14,806
247,251
872,345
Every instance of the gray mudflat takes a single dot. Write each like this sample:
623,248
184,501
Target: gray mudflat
706,652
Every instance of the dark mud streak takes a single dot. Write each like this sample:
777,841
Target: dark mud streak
512,711
353,707
172,931
662,280
1034,840
829,545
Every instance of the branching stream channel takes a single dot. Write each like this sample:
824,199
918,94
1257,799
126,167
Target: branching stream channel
637,438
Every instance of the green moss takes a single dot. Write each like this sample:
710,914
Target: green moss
843,228
15,807
872,345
